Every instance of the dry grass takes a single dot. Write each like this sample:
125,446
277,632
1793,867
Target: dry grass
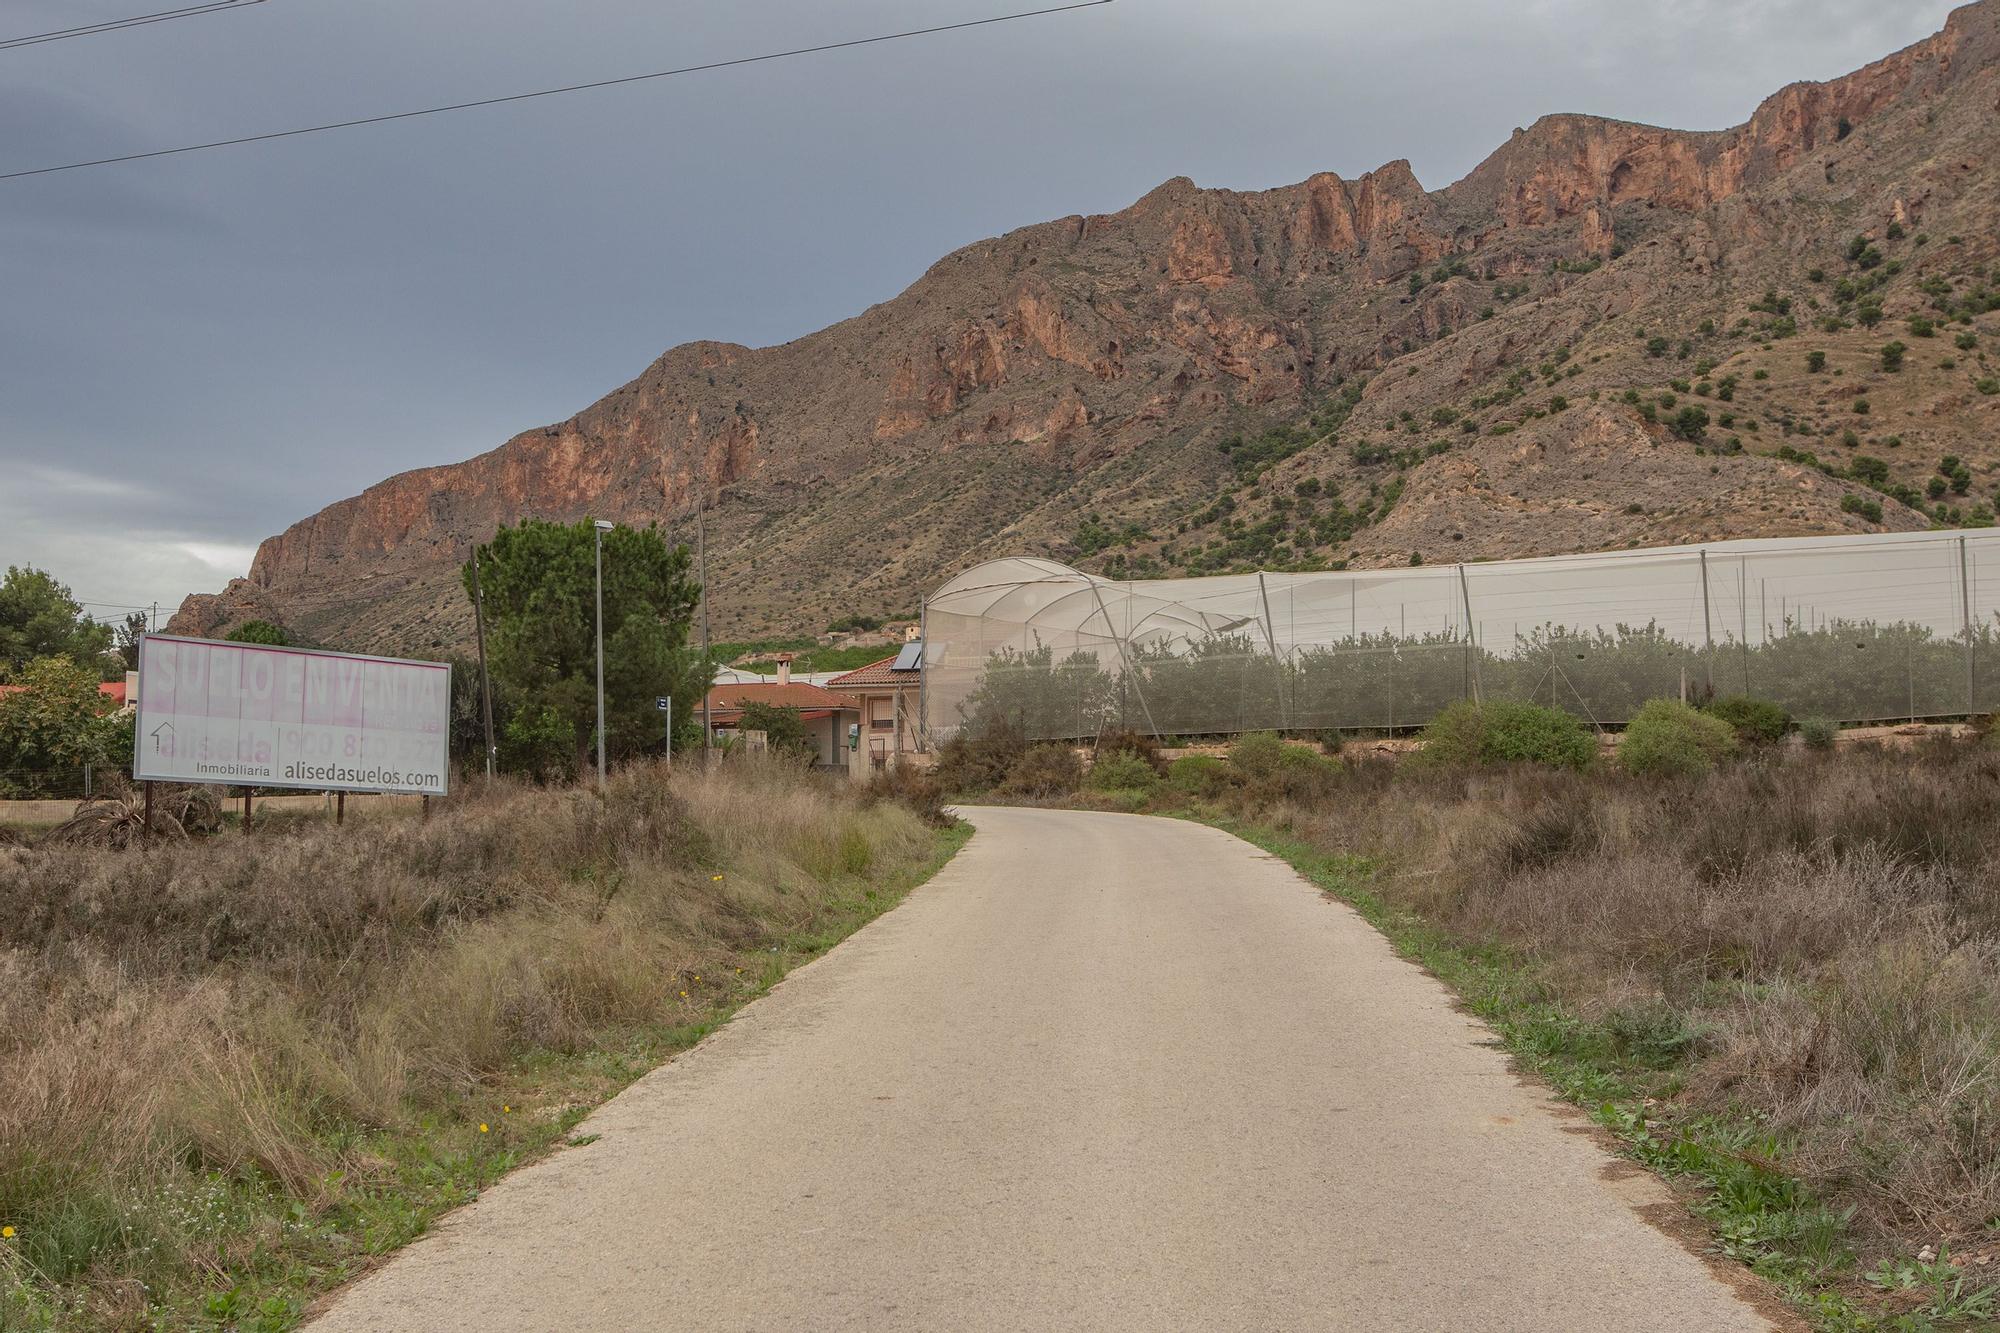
1809,942
257,1014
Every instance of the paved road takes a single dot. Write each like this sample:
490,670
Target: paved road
1104,1072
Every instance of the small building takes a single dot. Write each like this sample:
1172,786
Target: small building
889,695
828,717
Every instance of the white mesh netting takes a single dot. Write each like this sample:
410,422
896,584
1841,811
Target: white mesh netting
1856,629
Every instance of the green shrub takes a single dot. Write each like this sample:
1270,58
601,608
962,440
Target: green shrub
1123,772
1453,738
1818,732
1124,740
1257,754
1301,774
1044,771
1202,776
1668,738
1530,733
1466,735
1756,721
980,757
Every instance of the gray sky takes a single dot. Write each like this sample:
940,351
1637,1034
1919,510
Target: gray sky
198,351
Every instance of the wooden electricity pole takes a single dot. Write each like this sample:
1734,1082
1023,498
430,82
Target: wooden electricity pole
701,562
485,682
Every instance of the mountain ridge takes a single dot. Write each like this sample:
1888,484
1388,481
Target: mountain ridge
1028,385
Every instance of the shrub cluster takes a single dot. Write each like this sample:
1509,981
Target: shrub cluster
1044,772
1670,739
1123,771
1469,735
1755,721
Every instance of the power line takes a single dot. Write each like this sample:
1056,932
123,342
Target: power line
556,92
136,21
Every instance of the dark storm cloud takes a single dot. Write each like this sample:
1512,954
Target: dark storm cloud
195,352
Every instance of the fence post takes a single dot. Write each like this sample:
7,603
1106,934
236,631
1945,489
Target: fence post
1471,639
1743,616
1707,628
1395,651
923,673
1965,602
1271,642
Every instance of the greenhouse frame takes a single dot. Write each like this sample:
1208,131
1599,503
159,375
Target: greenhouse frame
1864,628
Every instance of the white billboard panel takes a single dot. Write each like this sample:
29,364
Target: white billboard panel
242,714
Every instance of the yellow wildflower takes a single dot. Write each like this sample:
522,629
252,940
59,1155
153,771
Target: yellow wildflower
482,1127
6,1233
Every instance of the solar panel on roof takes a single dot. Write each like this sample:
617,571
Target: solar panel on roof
909,658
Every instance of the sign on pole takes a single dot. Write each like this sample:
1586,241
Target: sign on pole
242,714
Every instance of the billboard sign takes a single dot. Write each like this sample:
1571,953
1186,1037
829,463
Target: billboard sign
242,714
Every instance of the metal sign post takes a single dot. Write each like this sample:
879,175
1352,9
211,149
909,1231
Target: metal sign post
665,703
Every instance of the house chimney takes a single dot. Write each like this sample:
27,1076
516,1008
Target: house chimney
784,668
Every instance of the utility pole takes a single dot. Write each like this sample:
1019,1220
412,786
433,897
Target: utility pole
485,682
701,562
600,526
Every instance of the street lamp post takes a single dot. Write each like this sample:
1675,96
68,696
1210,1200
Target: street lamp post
601,527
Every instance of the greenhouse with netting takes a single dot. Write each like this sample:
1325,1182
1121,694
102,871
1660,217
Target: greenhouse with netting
1864,628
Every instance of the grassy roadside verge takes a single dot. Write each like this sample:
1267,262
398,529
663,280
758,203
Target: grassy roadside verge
250,1068
1725,1166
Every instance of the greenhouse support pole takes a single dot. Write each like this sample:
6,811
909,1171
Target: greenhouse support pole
1124,659
923,676
1965,600
1471,639
1707,628
1271,642
1743,617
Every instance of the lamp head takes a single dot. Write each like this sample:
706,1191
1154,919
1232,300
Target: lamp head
604,525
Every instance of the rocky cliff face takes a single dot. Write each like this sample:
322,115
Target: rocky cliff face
1073,378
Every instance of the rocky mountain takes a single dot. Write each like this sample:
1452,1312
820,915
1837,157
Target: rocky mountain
1607,334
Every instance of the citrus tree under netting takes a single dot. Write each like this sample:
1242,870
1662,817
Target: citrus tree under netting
1860,628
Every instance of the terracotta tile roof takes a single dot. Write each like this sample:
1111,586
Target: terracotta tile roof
796,694
877,674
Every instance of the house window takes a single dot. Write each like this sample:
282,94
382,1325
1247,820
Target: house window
881,714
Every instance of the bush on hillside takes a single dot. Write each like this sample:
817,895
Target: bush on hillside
1044,772
1202,776
1668,738
1122,773
1818,732
1468,735
1755,721
1257,754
